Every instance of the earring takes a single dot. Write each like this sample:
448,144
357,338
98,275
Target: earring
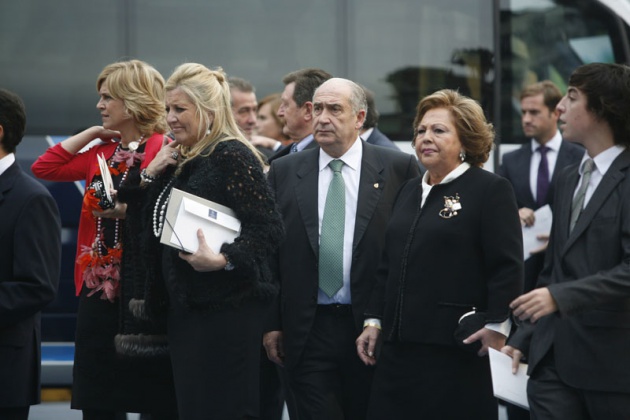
462,156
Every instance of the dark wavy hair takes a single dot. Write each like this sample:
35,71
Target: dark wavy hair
607,90
12,120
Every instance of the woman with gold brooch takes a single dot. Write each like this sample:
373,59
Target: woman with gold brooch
452,263
131,103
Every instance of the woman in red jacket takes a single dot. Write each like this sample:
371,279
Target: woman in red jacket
131,105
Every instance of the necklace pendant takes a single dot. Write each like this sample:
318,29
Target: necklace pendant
133,146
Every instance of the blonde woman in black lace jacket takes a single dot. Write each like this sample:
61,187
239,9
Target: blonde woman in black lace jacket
214,303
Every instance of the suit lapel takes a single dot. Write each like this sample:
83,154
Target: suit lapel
371,187
7,179
524,163
306,192
615,174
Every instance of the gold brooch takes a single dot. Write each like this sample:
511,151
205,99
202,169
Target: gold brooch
451,206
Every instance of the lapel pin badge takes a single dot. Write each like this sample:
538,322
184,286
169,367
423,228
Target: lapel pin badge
376,185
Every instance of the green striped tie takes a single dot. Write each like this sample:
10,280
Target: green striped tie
331,237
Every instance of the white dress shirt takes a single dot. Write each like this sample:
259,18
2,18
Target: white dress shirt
602,163
6,161
351,171
552,157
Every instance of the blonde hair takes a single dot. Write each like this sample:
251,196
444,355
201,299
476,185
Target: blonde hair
209,92
475,133
141,88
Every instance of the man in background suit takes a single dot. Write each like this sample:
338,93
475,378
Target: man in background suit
524,166
314,329
30,235
244,108
533,175
370,132
575,330
296,108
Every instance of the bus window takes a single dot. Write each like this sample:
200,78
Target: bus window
406,49
545,39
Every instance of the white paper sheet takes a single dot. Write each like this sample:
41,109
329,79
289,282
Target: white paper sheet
108,183
542,226
506,385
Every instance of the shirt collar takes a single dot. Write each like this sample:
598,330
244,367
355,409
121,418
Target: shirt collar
554,144
352,157
604,159
366,134
454,174
6,161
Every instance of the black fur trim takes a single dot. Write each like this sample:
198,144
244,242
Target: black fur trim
141,345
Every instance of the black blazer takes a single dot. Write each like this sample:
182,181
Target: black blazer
295,181
377,138
516,164
587,272
436,269
30,245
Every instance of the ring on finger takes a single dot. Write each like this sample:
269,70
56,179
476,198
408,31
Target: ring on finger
175,155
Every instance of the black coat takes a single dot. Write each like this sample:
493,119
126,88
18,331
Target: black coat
434,269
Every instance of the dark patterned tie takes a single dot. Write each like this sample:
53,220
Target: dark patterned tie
578,200
331,237
542,182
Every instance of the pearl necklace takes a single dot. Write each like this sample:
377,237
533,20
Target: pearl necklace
159,212
133,146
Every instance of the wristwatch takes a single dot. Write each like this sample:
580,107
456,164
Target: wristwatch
228,266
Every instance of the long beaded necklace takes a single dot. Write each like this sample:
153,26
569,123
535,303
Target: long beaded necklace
100,263
159,211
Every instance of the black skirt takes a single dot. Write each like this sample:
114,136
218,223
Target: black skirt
103,380
418,381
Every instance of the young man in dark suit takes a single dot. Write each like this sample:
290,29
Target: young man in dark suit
30,234
574,329
533,170
326,263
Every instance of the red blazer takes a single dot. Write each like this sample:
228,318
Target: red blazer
57,164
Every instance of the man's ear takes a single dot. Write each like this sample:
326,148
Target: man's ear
360,119
308,110
2,150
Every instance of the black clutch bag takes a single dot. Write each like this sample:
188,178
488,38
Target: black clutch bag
104,202
468,325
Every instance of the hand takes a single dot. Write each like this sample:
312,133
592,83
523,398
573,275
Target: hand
489,338
273,343
534,305
366,345
118,212
265,142
516,355
204,259
543,247
163,158
77,142
527,216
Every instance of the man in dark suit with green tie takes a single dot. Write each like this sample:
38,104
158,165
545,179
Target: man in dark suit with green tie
335,201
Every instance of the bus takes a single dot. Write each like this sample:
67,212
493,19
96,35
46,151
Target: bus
402,50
